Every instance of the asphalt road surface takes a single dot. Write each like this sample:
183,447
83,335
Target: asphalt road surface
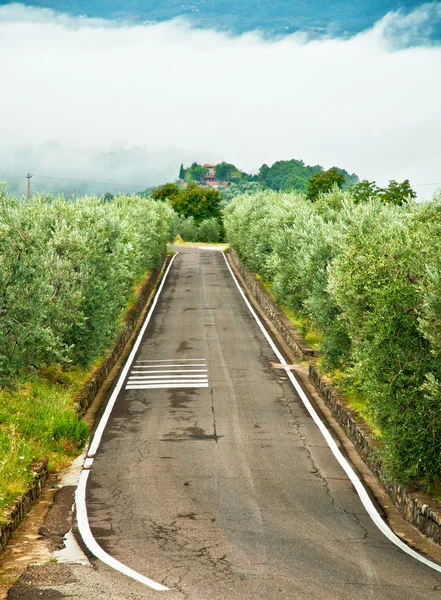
212,479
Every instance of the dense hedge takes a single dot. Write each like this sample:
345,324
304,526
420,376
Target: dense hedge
368,277
67,271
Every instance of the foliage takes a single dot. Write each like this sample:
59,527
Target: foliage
186,228
195,173
166,191
224,171
242,186
209,231
366,275
364,191
181,172
199,203
322,183
287,175
283,175
67,270
395,193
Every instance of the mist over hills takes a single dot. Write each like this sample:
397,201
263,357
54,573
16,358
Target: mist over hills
337,17
53,165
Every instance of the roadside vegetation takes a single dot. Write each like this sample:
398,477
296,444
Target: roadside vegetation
360,271
69,270
198,214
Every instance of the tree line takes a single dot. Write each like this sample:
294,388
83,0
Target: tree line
283,175
68,269
362,270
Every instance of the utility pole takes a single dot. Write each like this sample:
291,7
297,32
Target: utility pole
28,177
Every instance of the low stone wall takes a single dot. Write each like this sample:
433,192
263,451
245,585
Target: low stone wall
417,508
16,513
277,317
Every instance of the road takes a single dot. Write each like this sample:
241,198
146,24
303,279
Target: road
225,489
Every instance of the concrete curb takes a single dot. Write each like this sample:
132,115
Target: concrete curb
417,508
15,514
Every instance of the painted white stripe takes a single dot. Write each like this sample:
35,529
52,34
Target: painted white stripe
172,360
165,380
165,385
177,377
362,493
83,523
91,543
171,371
137,366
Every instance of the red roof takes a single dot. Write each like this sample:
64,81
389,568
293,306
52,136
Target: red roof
207,166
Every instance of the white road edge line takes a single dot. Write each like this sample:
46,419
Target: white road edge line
359,487
80,494
92,544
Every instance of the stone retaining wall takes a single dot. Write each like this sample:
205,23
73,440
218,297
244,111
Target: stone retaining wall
16,513
417,508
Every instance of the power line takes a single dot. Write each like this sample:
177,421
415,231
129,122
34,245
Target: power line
421,184
86,181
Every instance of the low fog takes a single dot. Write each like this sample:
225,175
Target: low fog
123,103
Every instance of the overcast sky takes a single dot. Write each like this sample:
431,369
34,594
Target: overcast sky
95,99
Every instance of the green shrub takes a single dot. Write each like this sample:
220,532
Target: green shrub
209,231
68,269
367,277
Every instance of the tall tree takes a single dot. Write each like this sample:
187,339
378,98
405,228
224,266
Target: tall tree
195,173
182,172
397,193
364,191
323,182
168,190
199,203
224,171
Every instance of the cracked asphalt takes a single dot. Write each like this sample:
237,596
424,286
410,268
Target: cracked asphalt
227,492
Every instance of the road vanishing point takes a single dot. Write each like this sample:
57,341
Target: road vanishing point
210,479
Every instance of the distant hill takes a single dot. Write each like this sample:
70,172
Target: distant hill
283,175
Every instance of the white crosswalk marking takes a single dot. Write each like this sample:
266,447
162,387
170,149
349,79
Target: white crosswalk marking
168,373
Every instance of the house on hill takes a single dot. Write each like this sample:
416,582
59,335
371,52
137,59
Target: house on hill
210,178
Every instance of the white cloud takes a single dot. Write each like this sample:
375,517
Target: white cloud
365,104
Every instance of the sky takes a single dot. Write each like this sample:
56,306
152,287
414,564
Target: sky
112,96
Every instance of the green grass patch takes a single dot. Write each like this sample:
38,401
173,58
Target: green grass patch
355,398
38,419
312,337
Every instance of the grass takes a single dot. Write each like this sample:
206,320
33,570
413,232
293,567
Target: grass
312,337
38,419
